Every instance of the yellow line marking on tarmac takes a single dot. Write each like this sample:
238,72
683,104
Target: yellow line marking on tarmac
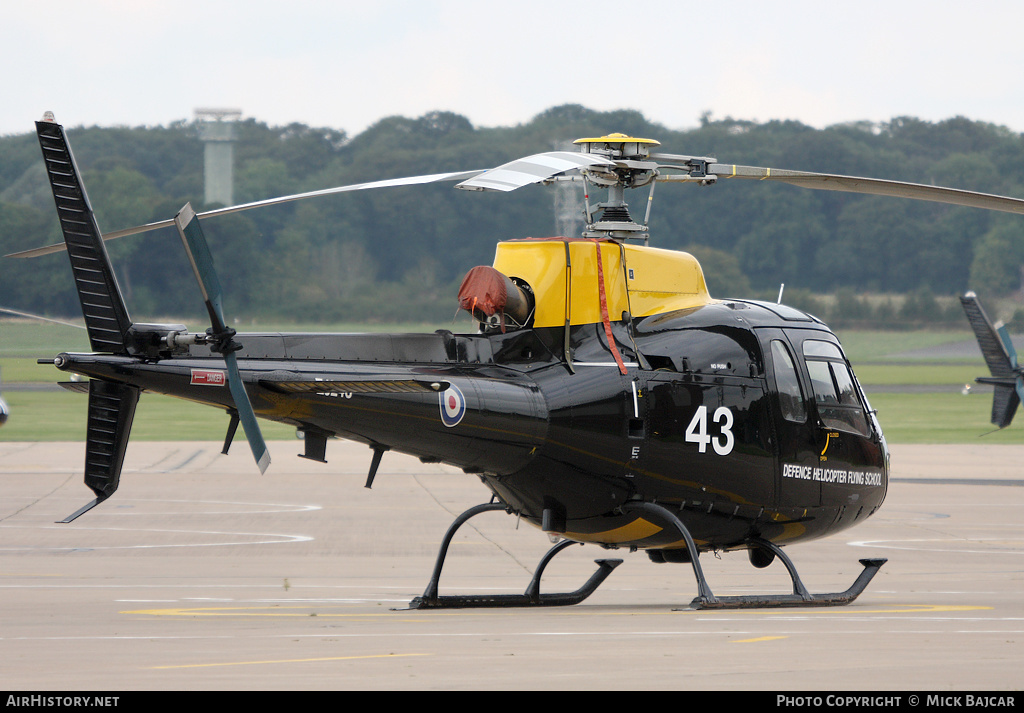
240,611
325,658
760,638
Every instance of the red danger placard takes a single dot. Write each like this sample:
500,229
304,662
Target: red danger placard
208,377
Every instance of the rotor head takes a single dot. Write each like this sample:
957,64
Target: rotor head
618,146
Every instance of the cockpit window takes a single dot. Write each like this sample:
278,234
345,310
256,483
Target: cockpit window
839,404
712,352
816,348
791,397
844,382
720,352
821,382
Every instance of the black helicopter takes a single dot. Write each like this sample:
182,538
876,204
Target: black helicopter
605,399
1006,375
4,410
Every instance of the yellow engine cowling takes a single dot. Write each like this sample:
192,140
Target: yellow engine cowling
563,273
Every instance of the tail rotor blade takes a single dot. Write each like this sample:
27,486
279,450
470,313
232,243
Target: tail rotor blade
1004,335
202,264
1018,385
199,256
246,415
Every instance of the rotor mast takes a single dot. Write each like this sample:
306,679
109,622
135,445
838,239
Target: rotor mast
631,169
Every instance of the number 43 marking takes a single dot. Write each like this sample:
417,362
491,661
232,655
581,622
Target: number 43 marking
697,431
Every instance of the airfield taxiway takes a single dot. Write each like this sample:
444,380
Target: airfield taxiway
200,574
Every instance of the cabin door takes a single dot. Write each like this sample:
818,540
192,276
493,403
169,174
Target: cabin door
798,440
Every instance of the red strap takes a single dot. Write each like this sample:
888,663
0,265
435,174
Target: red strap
604,309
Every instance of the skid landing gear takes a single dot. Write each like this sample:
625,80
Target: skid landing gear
531,598
800,596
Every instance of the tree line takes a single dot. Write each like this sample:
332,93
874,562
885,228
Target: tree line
399,253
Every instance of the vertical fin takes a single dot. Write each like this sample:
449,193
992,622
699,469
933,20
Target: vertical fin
106,316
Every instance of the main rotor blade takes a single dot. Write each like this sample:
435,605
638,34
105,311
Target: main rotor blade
872,186
531,169
29,315
199,256
387,183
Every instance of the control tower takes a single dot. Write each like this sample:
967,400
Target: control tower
217,131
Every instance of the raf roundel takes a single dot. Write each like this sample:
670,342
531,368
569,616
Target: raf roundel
453,406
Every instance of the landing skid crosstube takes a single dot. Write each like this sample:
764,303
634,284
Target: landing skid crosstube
705,599
531,598
800,596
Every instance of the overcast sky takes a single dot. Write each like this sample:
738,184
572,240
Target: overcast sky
348,64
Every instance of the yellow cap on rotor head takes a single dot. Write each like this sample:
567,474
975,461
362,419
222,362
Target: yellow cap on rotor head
617,139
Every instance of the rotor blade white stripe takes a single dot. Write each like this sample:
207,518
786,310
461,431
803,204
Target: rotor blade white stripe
502,180
564,159
532,169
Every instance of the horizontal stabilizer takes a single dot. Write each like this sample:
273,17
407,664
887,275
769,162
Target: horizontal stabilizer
81,387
